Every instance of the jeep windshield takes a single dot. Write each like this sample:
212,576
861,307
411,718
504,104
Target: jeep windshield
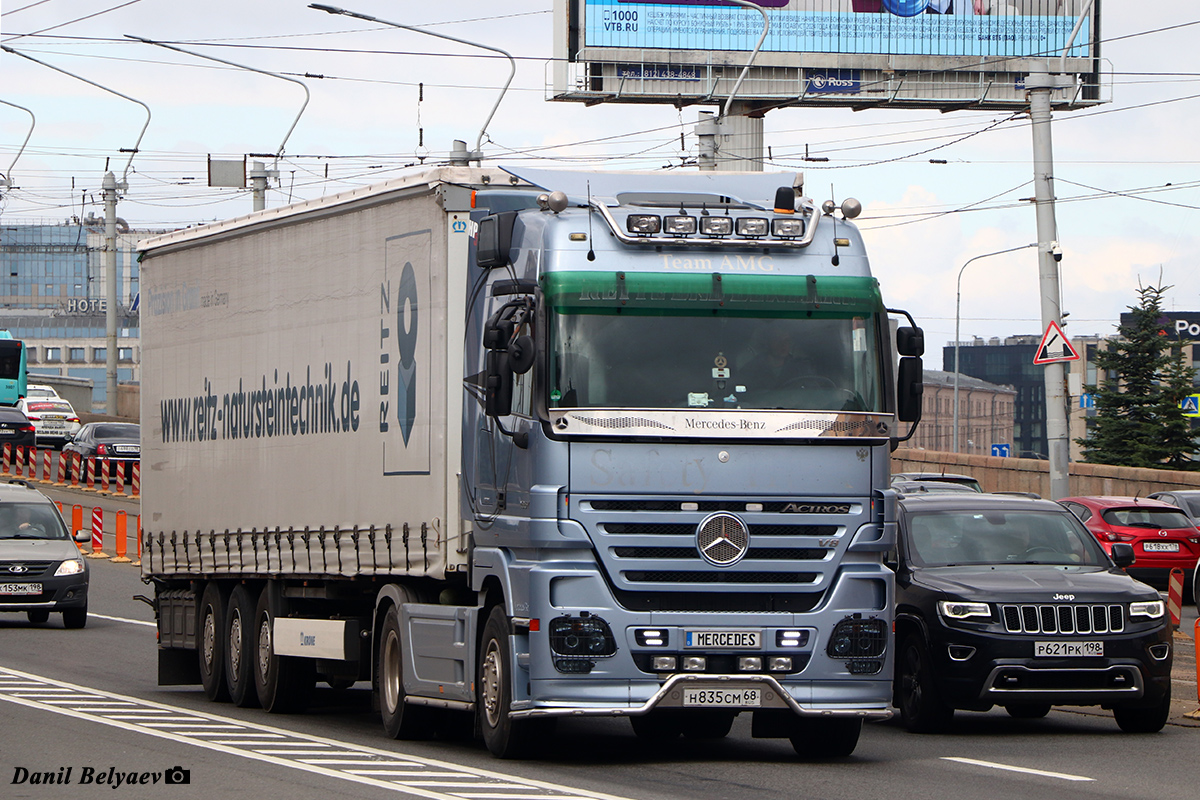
666,341
951,538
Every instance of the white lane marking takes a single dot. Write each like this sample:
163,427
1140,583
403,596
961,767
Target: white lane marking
1026,770
123,619
451,775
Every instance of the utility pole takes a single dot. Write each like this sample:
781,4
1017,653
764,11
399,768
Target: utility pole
1040,85
110,291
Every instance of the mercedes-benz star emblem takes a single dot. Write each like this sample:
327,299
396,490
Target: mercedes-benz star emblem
722,539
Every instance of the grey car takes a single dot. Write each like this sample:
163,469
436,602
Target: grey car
1188,501
41,568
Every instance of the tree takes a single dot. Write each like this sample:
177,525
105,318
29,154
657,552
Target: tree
1144,377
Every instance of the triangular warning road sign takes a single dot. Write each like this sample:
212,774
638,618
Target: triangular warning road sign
1054,347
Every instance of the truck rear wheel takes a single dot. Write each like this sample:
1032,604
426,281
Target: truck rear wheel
283,684
211,642
239,647
400,720
504,736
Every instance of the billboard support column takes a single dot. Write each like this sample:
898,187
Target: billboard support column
1040,86
739,139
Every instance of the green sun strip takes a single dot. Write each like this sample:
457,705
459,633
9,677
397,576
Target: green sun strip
580,292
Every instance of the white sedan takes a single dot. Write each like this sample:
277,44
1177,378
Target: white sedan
53,419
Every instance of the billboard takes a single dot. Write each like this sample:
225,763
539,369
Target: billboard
907,52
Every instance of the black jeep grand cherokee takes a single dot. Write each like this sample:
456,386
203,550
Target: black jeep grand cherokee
1011,601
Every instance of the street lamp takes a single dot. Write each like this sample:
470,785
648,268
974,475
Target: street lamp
957,305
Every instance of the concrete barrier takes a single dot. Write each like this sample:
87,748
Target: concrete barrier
998,474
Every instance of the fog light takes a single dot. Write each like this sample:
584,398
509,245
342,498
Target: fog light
679,225
788,228
695,664
751,226
961,652
750,664
716,226
645,224
1159,652
780,664
664,663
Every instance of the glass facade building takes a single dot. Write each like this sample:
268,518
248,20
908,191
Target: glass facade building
52,296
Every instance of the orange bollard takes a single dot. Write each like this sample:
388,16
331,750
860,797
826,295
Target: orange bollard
1195,641
77,522
121,545
97,534
138,563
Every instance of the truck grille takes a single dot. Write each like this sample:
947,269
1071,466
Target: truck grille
648,550
1063,619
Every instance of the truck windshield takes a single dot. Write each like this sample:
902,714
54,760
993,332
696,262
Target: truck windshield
702,341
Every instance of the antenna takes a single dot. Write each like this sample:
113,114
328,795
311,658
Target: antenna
6,178
477,154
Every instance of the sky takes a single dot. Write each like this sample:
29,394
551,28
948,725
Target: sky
383,101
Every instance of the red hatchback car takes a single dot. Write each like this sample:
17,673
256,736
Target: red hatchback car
1163,537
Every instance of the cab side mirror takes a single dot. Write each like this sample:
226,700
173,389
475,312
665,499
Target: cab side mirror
1122,554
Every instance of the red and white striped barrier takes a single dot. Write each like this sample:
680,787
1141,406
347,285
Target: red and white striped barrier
1175,596
120,477
136,479
46,464
97,533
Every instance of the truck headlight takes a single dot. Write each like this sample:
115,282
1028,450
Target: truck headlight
1150,610
644,224
955,609
74,567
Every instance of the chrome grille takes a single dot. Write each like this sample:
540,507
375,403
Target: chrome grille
31,568
648,548
1068,620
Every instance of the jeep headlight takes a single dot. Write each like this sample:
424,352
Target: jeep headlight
957,609
1152,609
72,567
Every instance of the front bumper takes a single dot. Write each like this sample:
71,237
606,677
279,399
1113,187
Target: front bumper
1002,670
58,594
671,694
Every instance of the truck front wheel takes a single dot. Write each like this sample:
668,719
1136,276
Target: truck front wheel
400,720
211,645
504,736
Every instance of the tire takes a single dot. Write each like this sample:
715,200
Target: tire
1144,720
504,736
284,684
400,720
239,647
38,615
709,725
921,707
658,726
75,618
210,642
1028,710
826,738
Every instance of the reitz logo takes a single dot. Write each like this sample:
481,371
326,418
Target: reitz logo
99,776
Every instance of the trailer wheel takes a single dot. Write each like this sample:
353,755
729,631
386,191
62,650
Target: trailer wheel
211,642
284,684
239,648
504,736
400,720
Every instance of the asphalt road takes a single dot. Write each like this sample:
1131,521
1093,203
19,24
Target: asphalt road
87,701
